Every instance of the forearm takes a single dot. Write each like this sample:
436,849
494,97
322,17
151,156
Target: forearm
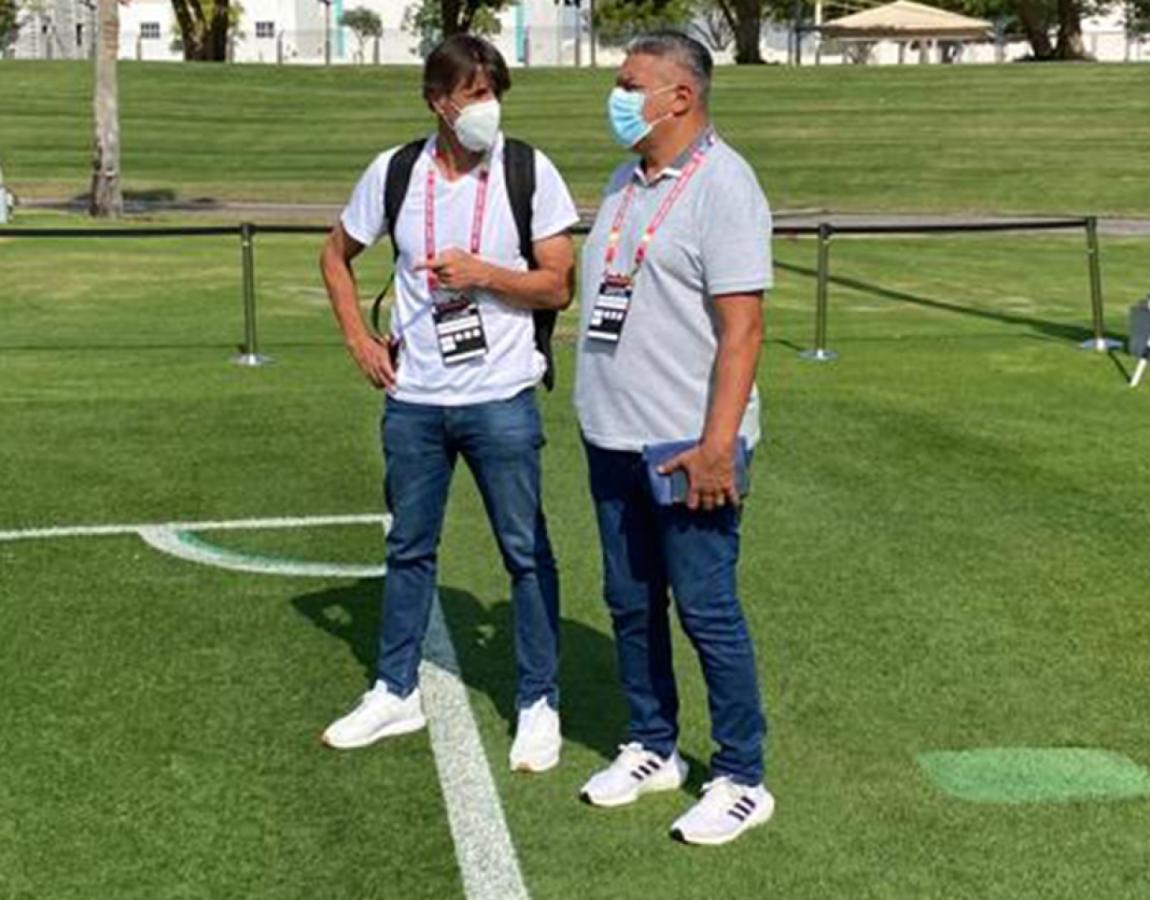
535,289
344,296
735,366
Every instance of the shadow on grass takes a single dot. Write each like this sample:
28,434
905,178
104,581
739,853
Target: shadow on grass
592,705
1119,366
1058,330
164,197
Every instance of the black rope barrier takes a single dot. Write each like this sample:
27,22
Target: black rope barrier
824,231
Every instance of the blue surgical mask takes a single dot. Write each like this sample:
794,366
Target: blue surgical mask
625,113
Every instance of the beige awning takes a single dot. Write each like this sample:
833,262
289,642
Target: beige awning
905,20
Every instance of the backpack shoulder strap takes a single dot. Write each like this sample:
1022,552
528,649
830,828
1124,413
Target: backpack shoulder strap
399,169
519,174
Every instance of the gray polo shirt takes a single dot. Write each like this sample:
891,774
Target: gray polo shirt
655,384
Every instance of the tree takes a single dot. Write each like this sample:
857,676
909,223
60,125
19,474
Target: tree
206,27
426,20
1137,18
616,21
1037,19
458,16
714,22
711,26
364,23
9,24
106,199
745,19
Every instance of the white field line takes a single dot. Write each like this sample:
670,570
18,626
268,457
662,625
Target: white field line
487,859
184,545
64,531
488,864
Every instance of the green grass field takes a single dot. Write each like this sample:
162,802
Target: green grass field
945,550
1030,139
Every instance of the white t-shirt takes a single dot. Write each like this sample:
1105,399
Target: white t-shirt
511,363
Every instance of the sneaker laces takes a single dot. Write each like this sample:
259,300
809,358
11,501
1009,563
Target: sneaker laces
720,793
377,690
631,755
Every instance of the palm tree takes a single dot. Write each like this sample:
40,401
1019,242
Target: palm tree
106,199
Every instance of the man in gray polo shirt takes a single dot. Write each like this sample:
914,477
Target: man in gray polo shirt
673,276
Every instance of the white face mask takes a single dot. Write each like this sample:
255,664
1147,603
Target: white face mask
477,125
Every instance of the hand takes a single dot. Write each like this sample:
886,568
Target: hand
457,270
373,356
710,471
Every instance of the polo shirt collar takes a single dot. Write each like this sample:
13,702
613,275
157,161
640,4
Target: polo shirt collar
676,168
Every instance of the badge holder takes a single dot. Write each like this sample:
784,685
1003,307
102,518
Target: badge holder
458,329
609,314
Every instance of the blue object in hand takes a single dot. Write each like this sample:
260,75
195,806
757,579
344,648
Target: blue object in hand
672,488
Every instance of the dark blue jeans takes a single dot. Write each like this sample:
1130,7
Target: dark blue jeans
500,442
648,549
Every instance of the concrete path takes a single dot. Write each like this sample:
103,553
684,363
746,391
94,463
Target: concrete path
322,213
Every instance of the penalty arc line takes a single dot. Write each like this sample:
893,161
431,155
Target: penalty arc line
64,531
488,863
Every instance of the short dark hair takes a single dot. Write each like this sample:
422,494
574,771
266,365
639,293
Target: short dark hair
458,60
683,49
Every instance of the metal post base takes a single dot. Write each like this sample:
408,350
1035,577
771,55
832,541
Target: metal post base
819,355
252,359
1100,345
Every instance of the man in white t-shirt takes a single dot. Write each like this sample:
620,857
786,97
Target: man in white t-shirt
459,369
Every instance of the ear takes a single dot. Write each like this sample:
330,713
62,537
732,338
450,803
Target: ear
684,98
437,103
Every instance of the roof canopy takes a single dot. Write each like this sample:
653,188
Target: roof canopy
905,20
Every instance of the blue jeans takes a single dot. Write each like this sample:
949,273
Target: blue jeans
500,442
648,549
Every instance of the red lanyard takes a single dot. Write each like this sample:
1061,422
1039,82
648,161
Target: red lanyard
661,214
429,216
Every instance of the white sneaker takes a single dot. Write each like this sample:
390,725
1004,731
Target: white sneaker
635,771
379,714
537,739
725,811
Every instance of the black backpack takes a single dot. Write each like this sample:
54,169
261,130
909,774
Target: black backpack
519,175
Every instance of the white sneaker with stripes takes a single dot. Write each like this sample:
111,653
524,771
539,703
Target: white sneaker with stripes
724,812
634,772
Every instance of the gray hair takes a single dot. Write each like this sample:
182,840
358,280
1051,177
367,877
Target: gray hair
686,51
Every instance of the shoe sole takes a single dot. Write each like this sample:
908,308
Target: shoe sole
528,767
633,796
678,835
407,726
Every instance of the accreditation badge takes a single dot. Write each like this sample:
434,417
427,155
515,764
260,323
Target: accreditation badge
611,306
458,327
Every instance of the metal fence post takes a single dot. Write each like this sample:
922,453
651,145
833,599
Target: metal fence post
249,354
820,353
3,200
1099,342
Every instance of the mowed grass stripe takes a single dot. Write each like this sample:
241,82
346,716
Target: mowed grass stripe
1053,138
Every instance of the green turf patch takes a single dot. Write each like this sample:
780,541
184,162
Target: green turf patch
1035,774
